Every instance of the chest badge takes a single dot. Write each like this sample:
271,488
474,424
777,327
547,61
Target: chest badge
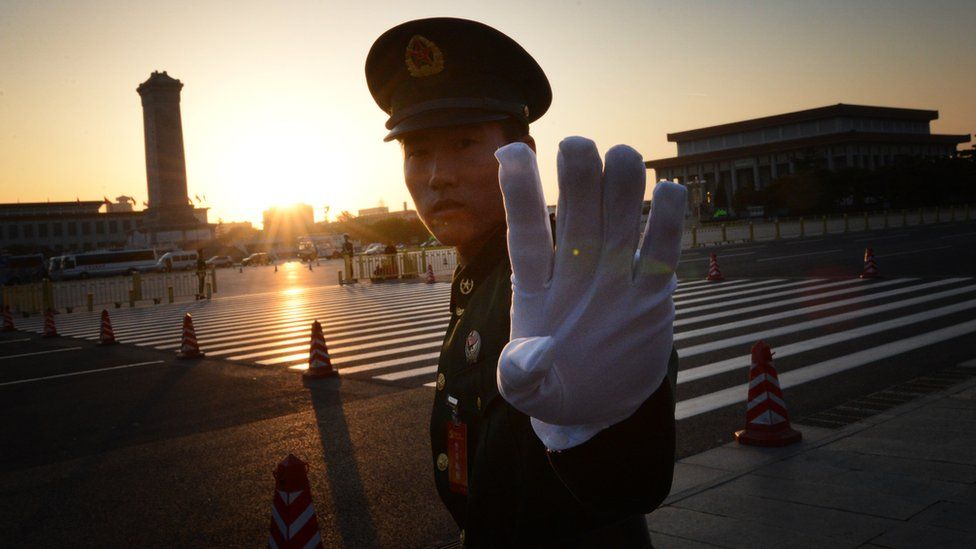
466,286
440,382
458,311
472,346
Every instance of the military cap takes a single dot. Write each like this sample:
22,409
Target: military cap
440,72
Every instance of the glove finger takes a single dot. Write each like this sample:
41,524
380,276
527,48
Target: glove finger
662,236
529,234
578,214
623,191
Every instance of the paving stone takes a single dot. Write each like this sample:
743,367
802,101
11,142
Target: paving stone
728,532
688,475
959,451
734,457
844,498
804,467
917,468
847,529
912,536
967,495
665,541
949,515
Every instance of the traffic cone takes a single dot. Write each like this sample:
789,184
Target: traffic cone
293,521
870,267
189,347
106,336
8,320
714,274
50,330
767,422
430,274
319,364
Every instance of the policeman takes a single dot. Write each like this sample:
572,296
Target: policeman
553,415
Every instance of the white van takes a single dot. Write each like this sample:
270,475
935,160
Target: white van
177,260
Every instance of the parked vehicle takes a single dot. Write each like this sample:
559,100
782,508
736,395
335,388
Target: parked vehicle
102,263
220,261
374,248
177,260
259,258
320,246
18,269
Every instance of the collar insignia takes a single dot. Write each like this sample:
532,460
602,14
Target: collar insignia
466,286
423,57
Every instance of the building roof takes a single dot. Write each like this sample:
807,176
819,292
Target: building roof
830,111
805,142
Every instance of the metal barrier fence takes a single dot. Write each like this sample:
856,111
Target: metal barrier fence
405,264
77,294
798,227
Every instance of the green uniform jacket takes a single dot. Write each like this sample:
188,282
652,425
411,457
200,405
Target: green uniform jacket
518,493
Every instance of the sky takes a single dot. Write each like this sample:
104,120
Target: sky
276,110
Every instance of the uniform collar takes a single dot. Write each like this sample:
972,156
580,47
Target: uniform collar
466,277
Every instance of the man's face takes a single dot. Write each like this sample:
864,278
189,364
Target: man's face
452,176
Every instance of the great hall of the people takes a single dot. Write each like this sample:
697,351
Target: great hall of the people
758,151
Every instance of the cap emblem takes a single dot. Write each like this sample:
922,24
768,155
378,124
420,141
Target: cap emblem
423,57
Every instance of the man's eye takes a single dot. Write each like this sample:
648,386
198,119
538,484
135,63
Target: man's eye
416,153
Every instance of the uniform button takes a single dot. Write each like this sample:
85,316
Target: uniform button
479,402
462,538
442,462
440,382
458,311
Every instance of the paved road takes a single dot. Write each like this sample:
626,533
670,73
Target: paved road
192,445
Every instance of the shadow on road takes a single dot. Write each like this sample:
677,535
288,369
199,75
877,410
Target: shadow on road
350,504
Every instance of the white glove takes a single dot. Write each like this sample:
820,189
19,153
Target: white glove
592,319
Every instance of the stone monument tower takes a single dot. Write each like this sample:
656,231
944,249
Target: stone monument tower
170,215
165,163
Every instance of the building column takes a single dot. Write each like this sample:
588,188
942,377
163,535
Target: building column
772,168
755,173
850,157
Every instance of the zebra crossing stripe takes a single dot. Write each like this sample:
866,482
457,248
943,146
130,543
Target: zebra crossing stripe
739,292
408,373
743,361
711,330
775,304
333,321
734,395
695,293
364,332
857,282
823,321
382,364
435,326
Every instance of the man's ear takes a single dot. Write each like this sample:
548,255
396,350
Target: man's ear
528,140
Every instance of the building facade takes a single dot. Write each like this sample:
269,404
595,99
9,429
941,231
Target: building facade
715,161
55,227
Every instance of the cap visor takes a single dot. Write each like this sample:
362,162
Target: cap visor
443,119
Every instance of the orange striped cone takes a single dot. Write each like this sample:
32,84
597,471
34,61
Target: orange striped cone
319,363
8,320
714,274
430,274
293,520
767,422
106,336
50,330
870,267
189,347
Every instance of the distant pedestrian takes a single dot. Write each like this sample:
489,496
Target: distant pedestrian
201,273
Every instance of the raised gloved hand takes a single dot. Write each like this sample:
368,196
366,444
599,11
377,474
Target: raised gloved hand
592,319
